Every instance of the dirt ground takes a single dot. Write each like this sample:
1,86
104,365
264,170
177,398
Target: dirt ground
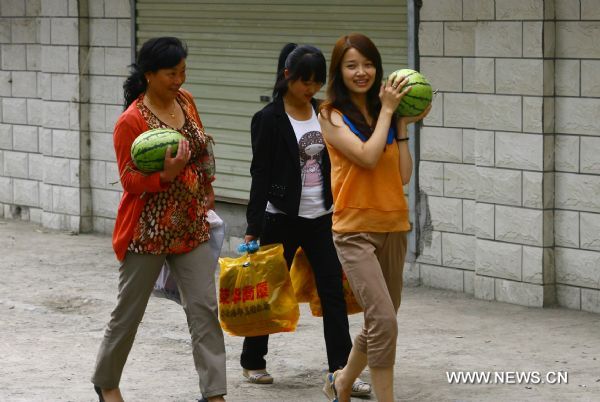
57,291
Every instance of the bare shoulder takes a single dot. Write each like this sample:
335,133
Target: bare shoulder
330,117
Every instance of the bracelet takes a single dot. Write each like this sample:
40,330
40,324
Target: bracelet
401,139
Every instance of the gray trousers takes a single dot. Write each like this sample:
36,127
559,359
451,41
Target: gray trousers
194,273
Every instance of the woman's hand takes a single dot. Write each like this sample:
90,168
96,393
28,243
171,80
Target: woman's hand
249,238
392,92
174,165
404,121
413,119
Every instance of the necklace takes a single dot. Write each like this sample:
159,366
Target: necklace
171,113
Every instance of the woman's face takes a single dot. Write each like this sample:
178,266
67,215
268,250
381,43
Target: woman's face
358,72
302,90
167,81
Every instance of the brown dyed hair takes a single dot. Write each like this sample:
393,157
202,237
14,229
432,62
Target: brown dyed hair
338,96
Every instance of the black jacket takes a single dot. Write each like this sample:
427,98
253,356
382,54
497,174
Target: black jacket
275,167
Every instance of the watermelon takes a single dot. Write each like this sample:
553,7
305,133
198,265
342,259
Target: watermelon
418,98
149,148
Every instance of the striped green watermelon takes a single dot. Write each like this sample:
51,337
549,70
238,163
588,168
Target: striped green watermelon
418,98
149,148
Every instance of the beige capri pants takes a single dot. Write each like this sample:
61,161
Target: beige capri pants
373,263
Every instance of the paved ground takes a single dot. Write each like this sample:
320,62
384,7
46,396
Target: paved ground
57,291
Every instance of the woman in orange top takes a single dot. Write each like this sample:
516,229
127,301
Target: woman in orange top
370,162
162,217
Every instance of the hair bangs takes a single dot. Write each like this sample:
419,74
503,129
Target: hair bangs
338,96
311,66
163,52
171,56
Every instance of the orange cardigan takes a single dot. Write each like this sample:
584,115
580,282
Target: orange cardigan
135,183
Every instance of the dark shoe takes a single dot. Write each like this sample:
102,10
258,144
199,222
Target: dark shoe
99,392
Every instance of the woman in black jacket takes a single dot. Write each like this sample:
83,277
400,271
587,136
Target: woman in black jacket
291,201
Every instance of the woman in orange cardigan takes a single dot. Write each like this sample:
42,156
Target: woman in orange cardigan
162,217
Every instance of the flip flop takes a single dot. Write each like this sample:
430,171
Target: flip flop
258,376
329,387
361,388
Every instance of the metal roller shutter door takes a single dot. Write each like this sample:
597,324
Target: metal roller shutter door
233,49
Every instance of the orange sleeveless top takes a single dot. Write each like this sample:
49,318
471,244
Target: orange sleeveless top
368,200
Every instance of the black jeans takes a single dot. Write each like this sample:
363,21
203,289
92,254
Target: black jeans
315,238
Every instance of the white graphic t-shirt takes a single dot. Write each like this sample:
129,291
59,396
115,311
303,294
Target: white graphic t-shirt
312,147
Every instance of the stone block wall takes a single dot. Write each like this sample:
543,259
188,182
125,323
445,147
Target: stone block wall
577,155
507,165
21,111
62,64
105,67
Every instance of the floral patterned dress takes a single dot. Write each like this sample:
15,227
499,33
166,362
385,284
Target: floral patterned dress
173,221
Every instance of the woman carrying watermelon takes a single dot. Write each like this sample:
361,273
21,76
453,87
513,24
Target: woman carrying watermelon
370,163
290,200
162,217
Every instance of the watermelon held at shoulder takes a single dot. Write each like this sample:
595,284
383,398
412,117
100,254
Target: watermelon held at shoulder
418,98
149,148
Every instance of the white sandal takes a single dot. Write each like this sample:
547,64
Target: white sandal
361,388
258,376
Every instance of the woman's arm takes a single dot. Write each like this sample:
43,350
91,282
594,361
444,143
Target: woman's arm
338,134
132,180
261,128
406,162
365,154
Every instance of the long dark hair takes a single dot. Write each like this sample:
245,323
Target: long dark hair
155,53
303,62
338,96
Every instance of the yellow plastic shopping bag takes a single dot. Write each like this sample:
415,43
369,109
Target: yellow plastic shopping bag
303,280
256,295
